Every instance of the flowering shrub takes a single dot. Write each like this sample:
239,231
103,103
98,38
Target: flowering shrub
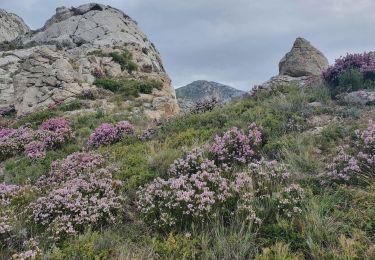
205,105
107,133
267,176
180,201
7,192
34,143
353,69
358,163
124,127
291,199
35,149
5,227
147,134
13,141
57,131
71,167
89,200
235,146
193,162
199,188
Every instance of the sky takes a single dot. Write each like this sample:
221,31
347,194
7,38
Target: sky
234,42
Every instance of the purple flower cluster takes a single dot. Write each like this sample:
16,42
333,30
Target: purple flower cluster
7,192
199,188
181,200
83,195
364,62
235,146
34,143
107,134
71,167
13,141
194,162
147,134
291,200
356,162
205,105
268,176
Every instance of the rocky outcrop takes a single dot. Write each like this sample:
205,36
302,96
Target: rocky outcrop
61,61
303,60
303,65
11,26
197,90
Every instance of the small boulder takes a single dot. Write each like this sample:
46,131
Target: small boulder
303,60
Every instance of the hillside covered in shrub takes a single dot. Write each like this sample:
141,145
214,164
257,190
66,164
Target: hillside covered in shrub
283,173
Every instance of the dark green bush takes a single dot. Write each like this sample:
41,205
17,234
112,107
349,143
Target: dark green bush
129,87
125,60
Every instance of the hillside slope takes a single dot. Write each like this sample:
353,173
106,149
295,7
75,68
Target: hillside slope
197,90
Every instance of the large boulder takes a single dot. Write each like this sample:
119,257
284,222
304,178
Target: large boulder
11,26
303,60
61,60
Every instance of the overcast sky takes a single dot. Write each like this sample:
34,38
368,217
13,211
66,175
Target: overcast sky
235,42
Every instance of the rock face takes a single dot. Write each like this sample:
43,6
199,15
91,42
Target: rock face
191,93
11,26
303,60
60,61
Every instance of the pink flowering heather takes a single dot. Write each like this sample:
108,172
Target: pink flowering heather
182,200
205,105
147,134
7,192
34,143
90,200
107,134
71,167
291,200
365,63
58,131
193,162
356,163
13,141
125,127
267,176
235,146
35,150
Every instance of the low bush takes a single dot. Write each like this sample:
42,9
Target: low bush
355,164
199,188
107,133
129,88
82,195
350,73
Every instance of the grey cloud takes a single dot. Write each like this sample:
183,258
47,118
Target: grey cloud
238,42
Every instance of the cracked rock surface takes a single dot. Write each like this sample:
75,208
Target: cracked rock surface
57,63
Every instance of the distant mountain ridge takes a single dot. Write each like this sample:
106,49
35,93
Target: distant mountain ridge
191,93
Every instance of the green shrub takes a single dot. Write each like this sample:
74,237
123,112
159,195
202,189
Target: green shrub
129,87
125,60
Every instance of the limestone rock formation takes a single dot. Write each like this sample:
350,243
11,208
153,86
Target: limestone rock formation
11,26
61,60
303,60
